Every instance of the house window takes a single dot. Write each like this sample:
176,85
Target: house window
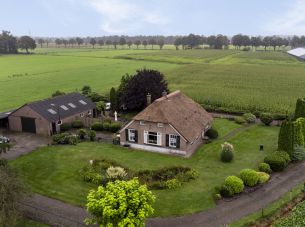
132,135
160,125
172,140
82,115
142,122
153,138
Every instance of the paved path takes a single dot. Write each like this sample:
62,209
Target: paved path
57,213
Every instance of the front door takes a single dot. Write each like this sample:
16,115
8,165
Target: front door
54,128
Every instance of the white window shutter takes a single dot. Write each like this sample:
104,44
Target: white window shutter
145,136
159,138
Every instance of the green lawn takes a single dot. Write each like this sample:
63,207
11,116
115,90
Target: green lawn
237,80
53,171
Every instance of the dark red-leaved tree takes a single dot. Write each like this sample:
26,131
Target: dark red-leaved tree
134,92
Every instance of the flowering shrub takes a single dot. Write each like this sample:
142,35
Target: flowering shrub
116,172
120,203
227,152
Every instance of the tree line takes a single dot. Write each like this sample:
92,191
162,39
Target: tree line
10,44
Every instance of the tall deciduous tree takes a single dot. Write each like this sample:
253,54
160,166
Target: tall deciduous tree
129,44
26,43
160,42
134,92
152,42
144,43
40,42
120,203
100,42
92,42
79,41
8,43
122,42
137,43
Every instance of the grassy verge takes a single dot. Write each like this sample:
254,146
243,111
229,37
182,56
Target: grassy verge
271,210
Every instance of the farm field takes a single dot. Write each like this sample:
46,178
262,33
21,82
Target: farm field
220,79
54,170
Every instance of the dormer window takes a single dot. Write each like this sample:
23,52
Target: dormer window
160,125
142,122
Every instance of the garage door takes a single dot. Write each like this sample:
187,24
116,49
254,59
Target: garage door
28,124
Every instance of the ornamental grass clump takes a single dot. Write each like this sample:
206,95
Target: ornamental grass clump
116,173
227,152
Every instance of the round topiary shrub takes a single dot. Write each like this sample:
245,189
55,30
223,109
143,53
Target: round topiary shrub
227,152
264,167
263,177
226,191
212,133
249,117
284,155
236,184
276,162
249,176
266,118
240,120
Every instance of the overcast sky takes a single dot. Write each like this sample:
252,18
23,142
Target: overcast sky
64,18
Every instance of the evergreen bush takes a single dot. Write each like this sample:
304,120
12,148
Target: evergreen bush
235,183
266,118
299,108
249,176
298,153
212,133
249,117
227,152
264,167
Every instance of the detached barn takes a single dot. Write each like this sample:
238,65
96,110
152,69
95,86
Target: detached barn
45,117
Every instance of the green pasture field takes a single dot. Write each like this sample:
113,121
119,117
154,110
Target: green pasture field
264,81
54,170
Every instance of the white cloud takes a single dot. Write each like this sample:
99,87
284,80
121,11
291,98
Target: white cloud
120,17
290,22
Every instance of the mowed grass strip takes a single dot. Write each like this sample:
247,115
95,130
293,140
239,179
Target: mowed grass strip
54,171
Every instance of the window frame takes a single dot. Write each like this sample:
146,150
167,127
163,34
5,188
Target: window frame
170,138
158,138
132,132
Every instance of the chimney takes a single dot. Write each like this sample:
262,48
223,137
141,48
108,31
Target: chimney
148,99
164,94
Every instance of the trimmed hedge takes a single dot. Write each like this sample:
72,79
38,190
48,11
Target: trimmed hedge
249,117
277,160
97,126
263,177
249,176
240,120
235,183
266,118
77,124
65,127
264,167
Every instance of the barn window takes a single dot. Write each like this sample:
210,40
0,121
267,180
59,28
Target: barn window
52,111
72,105
64,107
82,102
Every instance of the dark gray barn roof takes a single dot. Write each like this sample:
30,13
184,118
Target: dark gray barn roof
5,114
62,106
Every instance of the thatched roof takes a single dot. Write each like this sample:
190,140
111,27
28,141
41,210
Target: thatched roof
185,115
